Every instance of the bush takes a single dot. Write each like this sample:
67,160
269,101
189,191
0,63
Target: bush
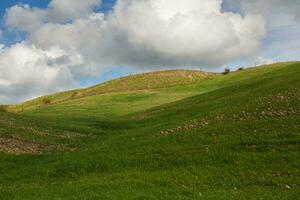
227,71
241,68
76,94
46,101
3,108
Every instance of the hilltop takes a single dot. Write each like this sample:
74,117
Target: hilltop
139,82
161,135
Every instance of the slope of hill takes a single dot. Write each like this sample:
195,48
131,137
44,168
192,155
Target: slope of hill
147,81
232,136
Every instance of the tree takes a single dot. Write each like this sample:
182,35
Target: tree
227,70
3,108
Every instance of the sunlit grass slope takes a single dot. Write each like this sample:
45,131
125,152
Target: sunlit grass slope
140,82
234,136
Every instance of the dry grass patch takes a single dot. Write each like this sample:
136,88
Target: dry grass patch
70,134
18,146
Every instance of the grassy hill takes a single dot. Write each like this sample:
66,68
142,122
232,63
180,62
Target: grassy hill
147,81
185,135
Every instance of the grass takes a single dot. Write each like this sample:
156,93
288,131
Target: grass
140,82
234,136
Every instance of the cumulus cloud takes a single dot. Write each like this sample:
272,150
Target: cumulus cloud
189,32
64,10
283,30
27,71
28,19
152,32
137,33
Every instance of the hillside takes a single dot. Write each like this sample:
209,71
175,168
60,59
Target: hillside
147,81
185,135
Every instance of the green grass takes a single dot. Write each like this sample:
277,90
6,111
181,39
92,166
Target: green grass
140,82
234,136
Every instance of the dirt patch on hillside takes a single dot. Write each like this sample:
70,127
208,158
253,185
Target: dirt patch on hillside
17,146
70,134
282,105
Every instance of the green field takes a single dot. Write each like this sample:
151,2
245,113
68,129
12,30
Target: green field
163,135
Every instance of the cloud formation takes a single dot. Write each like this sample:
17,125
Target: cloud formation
69,40
143,33
27,71
283,19
28,19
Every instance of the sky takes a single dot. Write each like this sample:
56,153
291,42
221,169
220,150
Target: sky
49,46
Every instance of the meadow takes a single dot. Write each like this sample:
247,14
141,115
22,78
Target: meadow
164,135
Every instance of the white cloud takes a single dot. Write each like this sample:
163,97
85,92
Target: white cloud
137,33
188,32
28,19
64,10
283,30
24,18
27,71
264,61
145,33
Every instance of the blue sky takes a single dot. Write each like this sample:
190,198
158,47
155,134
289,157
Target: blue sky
55,45
10,37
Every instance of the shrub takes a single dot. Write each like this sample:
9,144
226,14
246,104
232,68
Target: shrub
46,101
241,68
3,108
74,94
227,71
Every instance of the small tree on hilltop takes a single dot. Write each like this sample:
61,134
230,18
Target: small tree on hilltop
227,70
